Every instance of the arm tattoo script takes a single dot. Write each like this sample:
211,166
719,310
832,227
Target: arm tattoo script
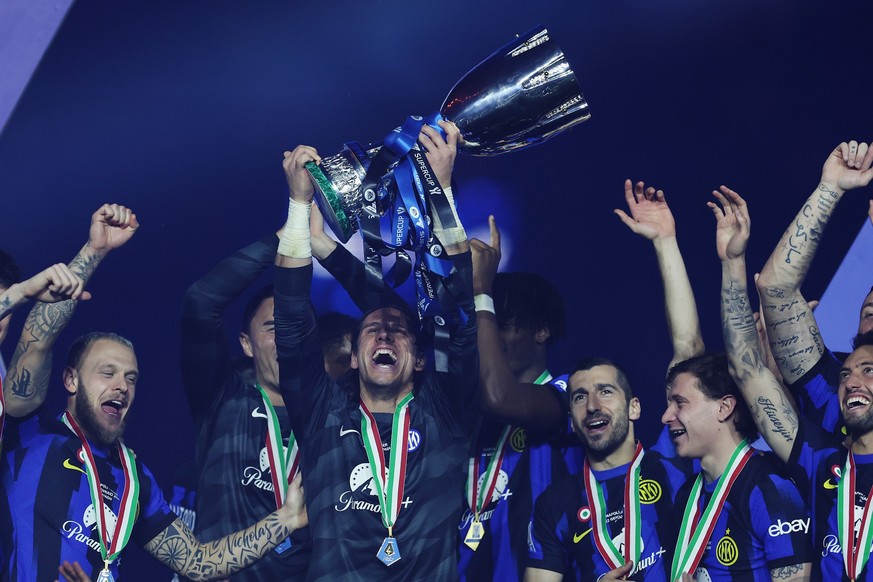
785,572
177,547
746,361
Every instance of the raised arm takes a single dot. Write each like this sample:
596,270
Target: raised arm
178,549
774,415
531,406
441,154
56,283
204,344
651,218
792,329
112,225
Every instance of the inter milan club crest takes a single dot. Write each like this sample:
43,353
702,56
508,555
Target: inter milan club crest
726,551
518,439
650,491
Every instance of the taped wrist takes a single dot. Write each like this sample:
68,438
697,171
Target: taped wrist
295,240
484,302
449,236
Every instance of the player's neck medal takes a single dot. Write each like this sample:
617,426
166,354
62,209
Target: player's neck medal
111,542
105,575
479,496
388,551
856,552
284,461
633,544
697,528
389,481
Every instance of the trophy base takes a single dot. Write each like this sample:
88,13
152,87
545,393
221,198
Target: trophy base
337,181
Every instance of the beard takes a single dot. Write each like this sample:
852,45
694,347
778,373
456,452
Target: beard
603,445
87,412
860,425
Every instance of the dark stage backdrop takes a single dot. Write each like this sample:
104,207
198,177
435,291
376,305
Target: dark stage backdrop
181,111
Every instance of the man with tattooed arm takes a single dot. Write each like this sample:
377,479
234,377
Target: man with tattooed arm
72,490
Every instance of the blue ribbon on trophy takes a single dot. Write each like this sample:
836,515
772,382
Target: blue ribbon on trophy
521,95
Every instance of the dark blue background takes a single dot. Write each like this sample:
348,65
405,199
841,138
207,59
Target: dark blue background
181,111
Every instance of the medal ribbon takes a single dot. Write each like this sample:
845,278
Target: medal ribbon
633,543
389,487
283,461
693,536
109,549
478,497
855,552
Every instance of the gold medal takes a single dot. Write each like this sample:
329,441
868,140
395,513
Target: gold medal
474,534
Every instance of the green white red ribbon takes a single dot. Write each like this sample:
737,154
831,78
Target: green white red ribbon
697,528
633,543
110,547
855,552
478,497
391,480
284,461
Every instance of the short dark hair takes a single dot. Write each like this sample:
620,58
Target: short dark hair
862,339
412,322
9,271
333,326
251,307
82,343
714,380
531,302
588,362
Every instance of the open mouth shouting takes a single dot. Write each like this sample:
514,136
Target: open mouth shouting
856,401
113,408
384,358
596,425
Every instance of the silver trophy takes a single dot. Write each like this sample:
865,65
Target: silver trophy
521,95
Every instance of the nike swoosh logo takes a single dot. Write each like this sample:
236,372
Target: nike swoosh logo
578,537
829,485
69,465
257,414
345,431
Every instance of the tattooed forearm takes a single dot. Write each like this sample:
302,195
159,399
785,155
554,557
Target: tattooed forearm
786,572
803,237
5,306
784,421
177,547
31,364
85,263
740,335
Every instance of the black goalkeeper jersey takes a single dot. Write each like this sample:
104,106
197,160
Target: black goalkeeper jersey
344,515
234,483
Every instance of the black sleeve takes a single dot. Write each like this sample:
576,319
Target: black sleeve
205,351
453,393
366,287
305,386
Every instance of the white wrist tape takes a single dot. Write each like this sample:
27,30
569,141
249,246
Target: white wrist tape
294,242
484,302
454,235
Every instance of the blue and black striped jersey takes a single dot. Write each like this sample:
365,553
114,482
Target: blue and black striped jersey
818,459
765,525
48,516
530,465
561,538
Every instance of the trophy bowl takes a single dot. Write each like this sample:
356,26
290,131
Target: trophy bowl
521,95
